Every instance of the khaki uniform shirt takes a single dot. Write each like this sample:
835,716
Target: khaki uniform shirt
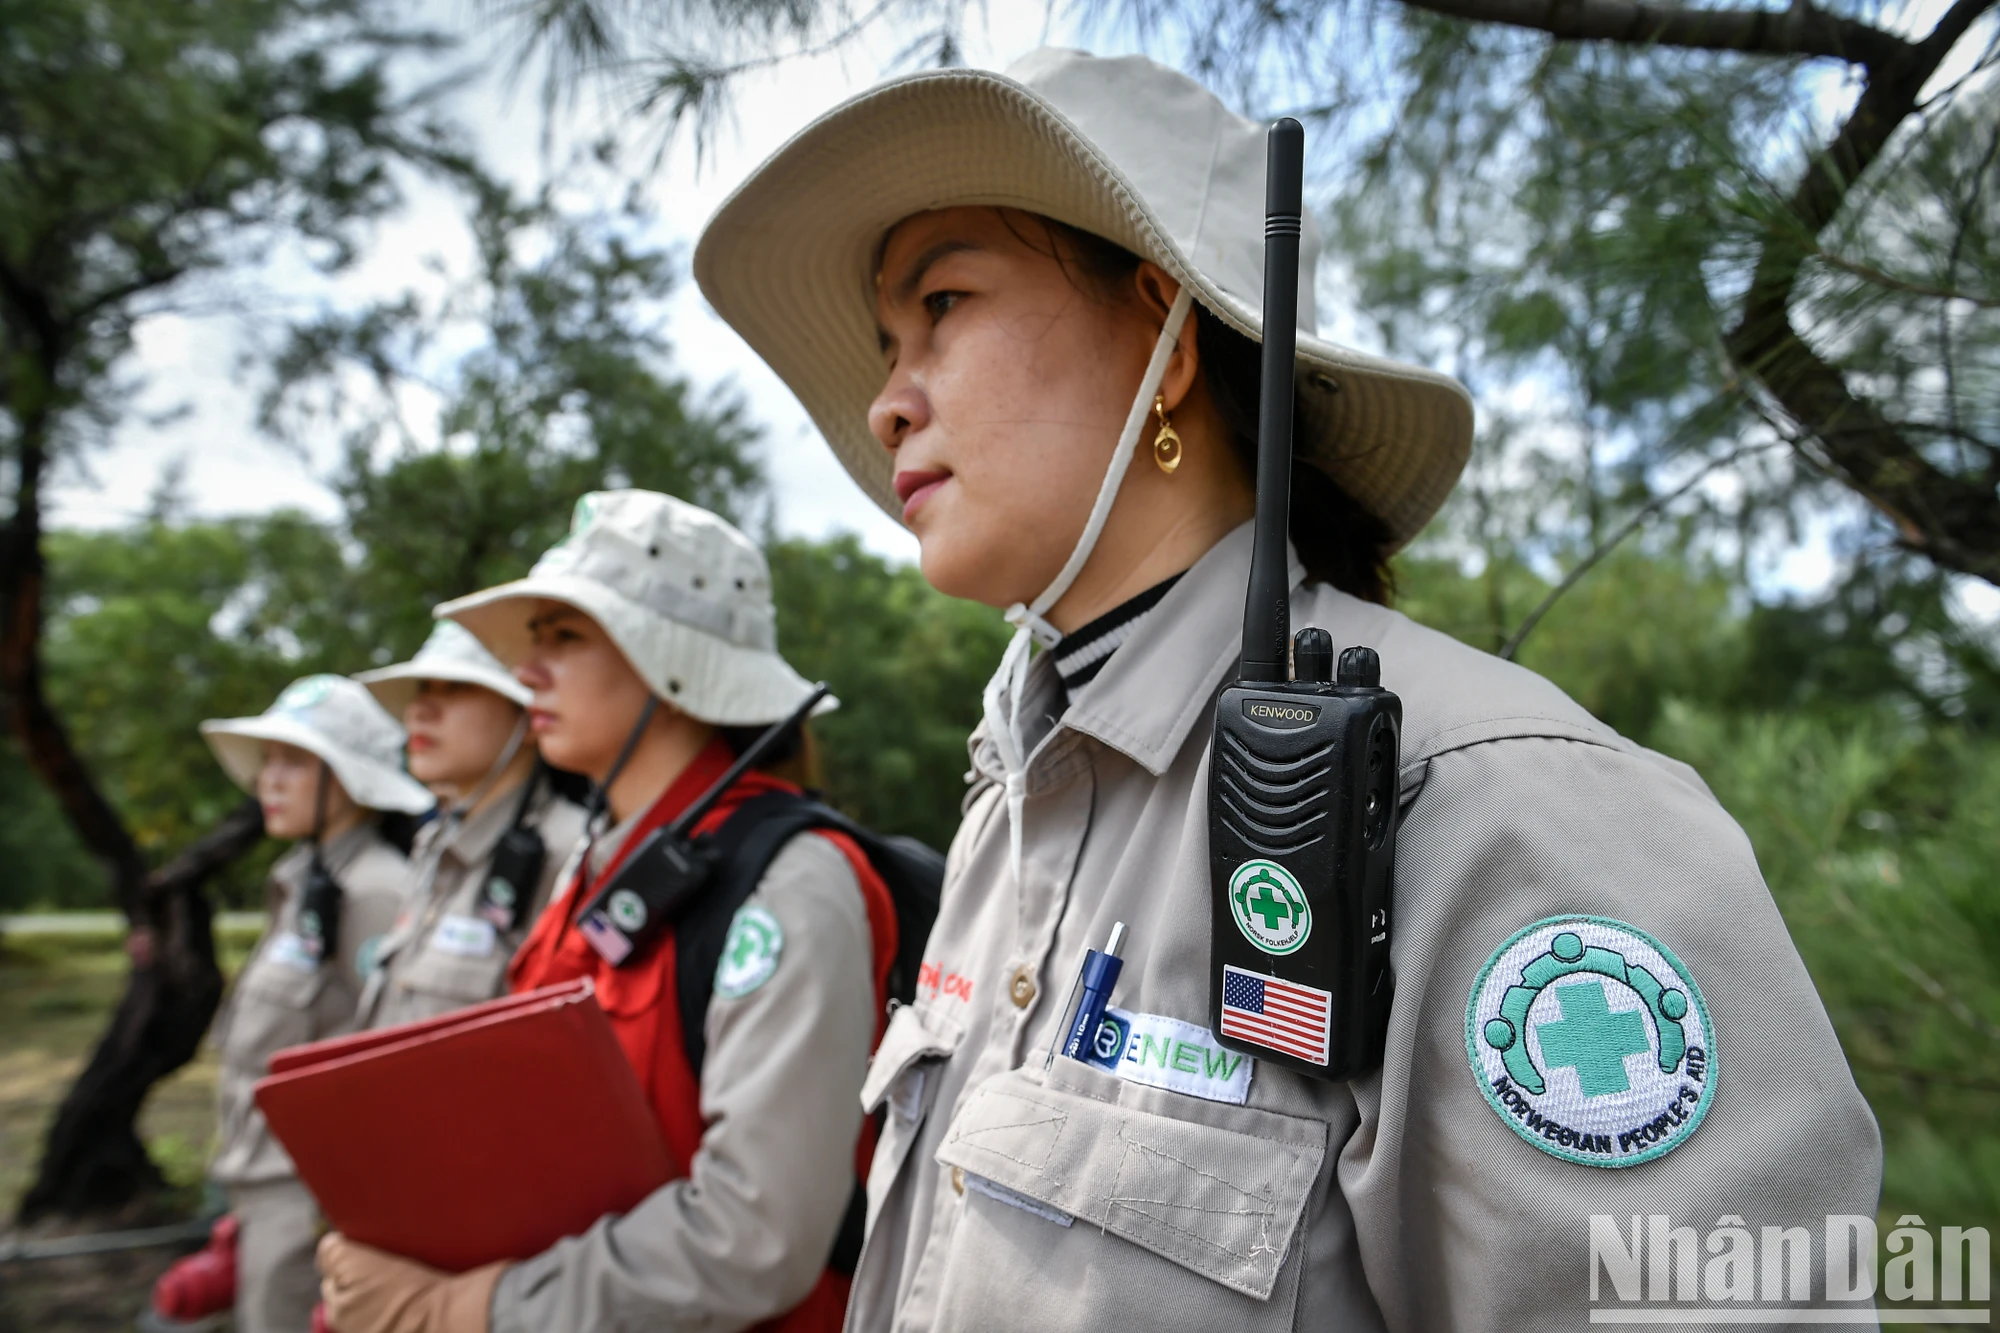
1006,1197
442,955
282,999
748,1232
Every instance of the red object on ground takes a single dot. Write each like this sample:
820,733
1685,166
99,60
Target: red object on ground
204,1283
488,1137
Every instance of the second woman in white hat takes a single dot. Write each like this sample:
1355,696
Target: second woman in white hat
648,638
485,866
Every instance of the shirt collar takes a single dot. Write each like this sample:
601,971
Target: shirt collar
477,835
1162,681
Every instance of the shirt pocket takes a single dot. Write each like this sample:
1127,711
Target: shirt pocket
274,1007
448,968
901,1083
1219,1192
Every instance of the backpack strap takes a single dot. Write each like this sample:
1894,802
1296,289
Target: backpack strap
746,844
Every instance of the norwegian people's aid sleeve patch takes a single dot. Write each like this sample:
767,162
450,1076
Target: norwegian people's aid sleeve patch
749,954
1592,1041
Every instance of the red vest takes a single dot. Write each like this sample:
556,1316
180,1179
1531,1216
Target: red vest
644,1005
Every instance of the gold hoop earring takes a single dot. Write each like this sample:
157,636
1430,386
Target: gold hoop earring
1167,444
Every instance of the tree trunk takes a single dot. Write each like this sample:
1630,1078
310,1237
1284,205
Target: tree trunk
93,1158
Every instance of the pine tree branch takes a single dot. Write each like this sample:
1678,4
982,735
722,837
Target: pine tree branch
1800,30
1954,521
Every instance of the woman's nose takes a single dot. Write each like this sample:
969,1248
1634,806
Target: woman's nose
531,672
898,412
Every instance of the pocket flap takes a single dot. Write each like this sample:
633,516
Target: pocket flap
914,1033
1219,1191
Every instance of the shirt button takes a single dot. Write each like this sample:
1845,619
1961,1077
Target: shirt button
958,1179
1022,988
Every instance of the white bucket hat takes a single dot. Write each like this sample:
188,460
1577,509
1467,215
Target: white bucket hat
338,720
683,594
450,653
1122,148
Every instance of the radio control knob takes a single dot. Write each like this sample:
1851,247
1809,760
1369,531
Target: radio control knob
1360,666
1312,656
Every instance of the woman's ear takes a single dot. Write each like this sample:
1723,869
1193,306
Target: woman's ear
1156,290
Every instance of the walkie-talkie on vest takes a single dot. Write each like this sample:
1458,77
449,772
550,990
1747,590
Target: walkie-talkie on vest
655,884
1302,773
320,899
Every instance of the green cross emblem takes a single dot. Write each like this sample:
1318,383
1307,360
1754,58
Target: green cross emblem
1270,908
750,954
1593,1040
1269,901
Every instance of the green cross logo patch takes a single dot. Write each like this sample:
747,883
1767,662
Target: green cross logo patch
1591,1040
750,954
628,909
1269,906
306,694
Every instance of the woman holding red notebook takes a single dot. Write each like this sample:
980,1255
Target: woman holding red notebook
647,637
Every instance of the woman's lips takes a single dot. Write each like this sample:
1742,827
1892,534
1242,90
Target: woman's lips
419,744
540,720
914,487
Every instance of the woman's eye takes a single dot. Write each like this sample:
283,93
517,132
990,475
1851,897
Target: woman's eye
939,303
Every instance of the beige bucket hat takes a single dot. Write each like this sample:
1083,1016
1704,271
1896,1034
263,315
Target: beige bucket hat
450,653
1123,148
684,595
336,719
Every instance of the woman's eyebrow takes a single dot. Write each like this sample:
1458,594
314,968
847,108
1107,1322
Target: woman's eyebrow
906,286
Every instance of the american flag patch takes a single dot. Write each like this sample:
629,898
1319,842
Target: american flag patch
610,942
1282,1015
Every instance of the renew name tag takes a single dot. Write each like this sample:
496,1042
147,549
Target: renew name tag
288,949
1164,1052
466,936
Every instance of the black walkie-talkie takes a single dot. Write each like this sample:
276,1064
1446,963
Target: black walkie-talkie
1302,770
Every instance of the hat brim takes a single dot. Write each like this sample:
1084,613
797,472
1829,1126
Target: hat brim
395,686
788,261
705,677
238,745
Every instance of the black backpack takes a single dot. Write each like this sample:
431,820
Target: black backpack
744,847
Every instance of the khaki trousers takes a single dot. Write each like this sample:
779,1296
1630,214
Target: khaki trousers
277,1283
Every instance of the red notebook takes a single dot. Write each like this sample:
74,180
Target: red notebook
487,1134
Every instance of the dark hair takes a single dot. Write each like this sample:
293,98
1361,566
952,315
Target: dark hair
794,757
1338,541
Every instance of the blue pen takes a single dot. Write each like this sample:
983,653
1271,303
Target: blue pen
1100,974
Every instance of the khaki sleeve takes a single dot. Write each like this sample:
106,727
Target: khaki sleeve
372,891
747,1235
1465,1217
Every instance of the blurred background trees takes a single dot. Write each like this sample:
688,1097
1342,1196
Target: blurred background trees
1646,237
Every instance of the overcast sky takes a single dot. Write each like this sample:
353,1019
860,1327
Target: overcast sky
195,411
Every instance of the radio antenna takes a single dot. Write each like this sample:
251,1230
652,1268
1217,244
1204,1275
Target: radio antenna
1267,611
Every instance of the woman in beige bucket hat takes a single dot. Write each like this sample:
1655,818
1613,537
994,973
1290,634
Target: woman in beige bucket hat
647,642
1023,309
324,761
484,867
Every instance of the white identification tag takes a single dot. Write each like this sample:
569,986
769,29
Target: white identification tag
1164,1052
1000,1193
289,950
466,936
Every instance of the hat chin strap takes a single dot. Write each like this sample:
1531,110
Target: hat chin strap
1003,691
